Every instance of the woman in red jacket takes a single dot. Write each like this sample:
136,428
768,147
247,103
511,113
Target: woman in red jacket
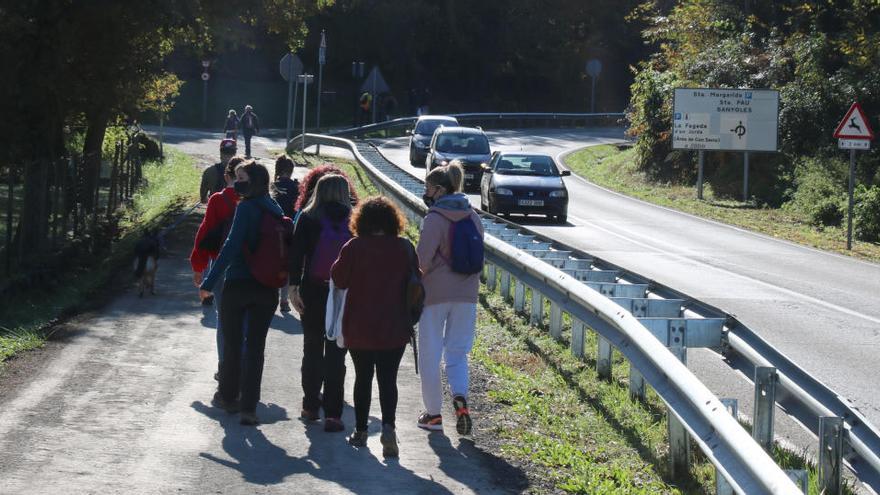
215,225
374,266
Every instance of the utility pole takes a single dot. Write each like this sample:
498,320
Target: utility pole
322,59
306,79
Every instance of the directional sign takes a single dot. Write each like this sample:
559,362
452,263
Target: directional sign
854,125
290,65
725,119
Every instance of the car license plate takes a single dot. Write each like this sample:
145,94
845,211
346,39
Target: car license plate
531,202
468,176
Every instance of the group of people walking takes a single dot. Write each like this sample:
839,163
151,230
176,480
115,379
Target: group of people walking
248,124
340,241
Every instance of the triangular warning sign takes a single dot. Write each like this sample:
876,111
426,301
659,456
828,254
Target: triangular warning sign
854,125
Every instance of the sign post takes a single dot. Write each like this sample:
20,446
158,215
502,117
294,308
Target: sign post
853,133
594,68
205,77
725,120
290,67
305,79
322,59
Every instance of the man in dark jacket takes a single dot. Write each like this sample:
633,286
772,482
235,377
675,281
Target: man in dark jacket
250,126
213,179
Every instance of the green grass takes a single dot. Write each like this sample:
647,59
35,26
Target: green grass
28,316
614,169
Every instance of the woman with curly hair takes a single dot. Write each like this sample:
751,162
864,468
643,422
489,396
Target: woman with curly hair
308,182
375,266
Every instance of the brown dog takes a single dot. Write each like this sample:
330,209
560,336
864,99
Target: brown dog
146,262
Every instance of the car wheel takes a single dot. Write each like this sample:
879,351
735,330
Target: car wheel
412,158
482,204
561,219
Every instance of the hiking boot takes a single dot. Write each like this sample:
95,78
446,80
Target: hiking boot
219,402
430,422
285,307
310,414
333,425
358,438
249,418
463,424
389,442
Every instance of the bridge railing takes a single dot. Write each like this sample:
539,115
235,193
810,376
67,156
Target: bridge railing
554,274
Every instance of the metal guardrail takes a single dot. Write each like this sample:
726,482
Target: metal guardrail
554,274
477,118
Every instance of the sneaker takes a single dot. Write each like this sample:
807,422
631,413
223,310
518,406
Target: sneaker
333,425
249,418
463,424
310,414
429,422
389,442
285,307
358,439
208,301
219,402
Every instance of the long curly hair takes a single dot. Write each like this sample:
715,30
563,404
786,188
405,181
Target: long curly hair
308,183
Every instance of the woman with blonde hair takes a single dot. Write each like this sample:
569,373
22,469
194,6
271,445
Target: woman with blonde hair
446,327
321,231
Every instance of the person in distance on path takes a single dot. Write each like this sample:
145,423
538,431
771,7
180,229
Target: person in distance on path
250,126
446,327
375,267
231,126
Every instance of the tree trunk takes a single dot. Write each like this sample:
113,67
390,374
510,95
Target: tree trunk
91,163
34,214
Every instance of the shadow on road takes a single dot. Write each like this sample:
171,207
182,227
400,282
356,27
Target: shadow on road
452,458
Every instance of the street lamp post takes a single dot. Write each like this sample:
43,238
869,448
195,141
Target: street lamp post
322,59
205,77
305,79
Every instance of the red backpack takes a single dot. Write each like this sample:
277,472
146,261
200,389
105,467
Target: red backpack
269,262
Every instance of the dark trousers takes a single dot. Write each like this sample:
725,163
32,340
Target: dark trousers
256,302
247,143
323,361
385,365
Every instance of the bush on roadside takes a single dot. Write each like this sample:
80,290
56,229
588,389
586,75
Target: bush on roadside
866,213
820,190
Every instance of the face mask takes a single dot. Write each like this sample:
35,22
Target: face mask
241,187
429,201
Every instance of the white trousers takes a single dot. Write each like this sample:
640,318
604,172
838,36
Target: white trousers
446,331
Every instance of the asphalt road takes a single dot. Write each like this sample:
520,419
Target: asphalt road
818,308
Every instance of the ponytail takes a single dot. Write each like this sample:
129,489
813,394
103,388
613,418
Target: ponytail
448,177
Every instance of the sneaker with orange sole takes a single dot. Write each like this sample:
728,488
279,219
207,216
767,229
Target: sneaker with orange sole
463,423
430,422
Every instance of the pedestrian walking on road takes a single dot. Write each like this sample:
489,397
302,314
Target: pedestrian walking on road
310,180
243,296
375,267
250,126
446,327
231,125
285,192
321,231
212,232
212,178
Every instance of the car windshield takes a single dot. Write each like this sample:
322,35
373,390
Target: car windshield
526,165
464,144
427,127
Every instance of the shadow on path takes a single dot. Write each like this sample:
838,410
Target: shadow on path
504,475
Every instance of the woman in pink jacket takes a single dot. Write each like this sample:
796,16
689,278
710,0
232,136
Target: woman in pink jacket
446,327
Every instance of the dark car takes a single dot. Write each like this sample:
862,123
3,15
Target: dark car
468,145
524,183
420,136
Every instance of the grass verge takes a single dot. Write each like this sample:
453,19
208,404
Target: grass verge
28,317
615,169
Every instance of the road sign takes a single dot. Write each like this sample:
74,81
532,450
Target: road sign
594,68
854,144
725,119
290,65
205,76
374,83
322,50
854,125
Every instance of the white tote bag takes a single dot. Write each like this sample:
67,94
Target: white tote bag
333,317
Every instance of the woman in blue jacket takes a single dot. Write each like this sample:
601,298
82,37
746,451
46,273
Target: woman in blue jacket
243,296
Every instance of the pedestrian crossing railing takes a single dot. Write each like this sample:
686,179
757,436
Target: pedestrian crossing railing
652,327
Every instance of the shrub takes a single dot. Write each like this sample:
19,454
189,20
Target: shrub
821,190
866,213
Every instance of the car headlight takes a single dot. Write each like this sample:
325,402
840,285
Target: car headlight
503,191
558,193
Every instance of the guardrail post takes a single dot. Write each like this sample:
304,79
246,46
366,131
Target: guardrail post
830,454
679,443
491,278
555,320
765,404
636,383
603,358
505,285
577,338
800,477
537,314
722,487
519,296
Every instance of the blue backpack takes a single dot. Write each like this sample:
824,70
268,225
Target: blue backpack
466,245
